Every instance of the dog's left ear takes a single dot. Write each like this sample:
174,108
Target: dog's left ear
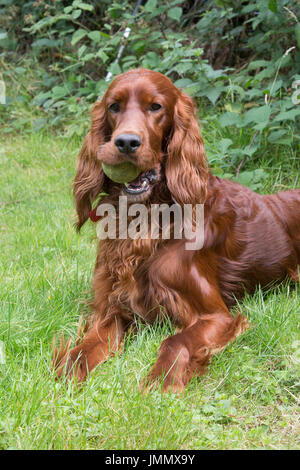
186,165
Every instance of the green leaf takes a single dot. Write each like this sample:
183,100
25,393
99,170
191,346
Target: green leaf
103,56
288,115
235,88
230,119
95,36
249,151
152,60
252,178
224,145
85,6
258,115
81,51
175,13
139,46
68,9
150,5
76,14
58,104
88,57
193,89
272,5
104,35
213,93
77,36
115,69
44,42
276,135
59,92
261,126
183,82
41,98
284,141
257,64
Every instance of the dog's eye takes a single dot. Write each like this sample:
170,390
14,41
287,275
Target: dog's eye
155,107
114,108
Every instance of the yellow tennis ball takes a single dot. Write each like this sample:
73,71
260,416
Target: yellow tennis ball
121,173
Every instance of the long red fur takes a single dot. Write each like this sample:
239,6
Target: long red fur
250,239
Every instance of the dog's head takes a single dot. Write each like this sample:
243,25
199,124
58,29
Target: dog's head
145,120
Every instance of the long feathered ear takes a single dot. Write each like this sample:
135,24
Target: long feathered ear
89,177
186,165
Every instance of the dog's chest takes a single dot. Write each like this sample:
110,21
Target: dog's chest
126,261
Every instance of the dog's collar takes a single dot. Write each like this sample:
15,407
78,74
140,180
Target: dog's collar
93,216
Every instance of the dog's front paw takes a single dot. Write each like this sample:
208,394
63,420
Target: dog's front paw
69,363
161,380
170,372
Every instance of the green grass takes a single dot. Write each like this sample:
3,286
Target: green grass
248,399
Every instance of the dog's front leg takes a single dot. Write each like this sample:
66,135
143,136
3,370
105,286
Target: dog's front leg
191,296
103,338
101,341
187,353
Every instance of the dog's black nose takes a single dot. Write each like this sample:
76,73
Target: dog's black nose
128,143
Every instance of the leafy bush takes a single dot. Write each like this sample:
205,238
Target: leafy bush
240,57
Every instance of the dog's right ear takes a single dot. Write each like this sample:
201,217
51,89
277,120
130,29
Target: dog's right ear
89,177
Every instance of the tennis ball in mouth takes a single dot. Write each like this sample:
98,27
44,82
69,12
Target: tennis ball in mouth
121,173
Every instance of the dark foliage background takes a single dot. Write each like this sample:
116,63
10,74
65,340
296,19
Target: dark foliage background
240,60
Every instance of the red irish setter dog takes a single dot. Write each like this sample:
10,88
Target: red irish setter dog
249,239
